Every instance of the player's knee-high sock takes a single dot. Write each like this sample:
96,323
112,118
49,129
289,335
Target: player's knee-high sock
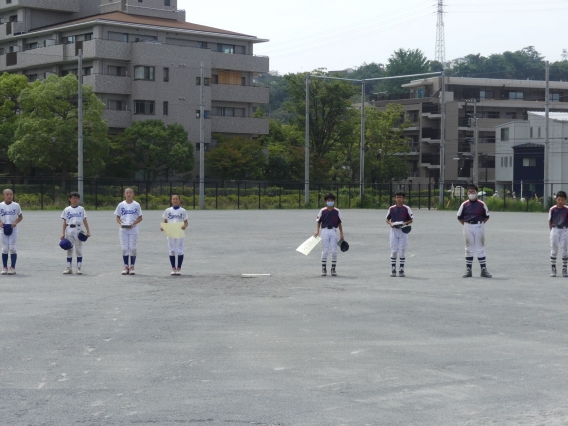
482,262
180,260
69,261
173,261
5,259
333,264
13,258
132,260
79,261
324,264
564,262
402,259
125,259
553,261
468,262
393,261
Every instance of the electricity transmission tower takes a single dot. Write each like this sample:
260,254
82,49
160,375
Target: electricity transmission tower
440,41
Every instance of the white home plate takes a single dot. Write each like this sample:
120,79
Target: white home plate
254,275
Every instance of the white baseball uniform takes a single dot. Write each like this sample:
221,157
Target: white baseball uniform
128,213
558,234
9,213
398,239
474,213
330,220
173,215
74,217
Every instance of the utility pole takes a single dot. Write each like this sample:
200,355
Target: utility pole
546,194
307,150
440,41
362,153
202,141
443,138
80,126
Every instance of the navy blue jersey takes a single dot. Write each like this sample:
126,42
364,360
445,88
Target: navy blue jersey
329,218
473,211
400,214
558,217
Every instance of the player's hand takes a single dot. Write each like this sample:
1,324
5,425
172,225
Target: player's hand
341,237
316,234
184,227
14,225
161,229
62,236
88,234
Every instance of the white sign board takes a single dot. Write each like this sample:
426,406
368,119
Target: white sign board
308,245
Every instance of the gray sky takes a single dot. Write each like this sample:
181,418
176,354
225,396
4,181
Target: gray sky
338,34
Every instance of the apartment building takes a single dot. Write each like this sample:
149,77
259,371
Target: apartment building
142,59
498,101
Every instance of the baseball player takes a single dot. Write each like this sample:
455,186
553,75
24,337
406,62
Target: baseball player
176,214
74,220
473,214
11,215
128,215
558,224
398,215
329,219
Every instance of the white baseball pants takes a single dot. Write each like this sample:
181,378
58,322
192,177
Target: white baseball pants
474,237
329,242
128,240
72,235
558,240
176,246
9,241
398,243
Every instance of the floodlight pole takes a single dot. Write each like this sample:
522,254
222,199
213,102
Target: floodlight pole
202,141
80,127
307,150
362,147
443,138
546,194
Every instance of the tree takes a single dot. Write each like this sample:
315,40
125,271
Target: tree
386,145
403,62
285,145
237,158
330,105
46,136
11,86
157,149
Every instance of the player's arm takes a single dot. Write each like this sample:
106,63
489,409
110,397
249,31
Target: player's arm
137,221
550,224
63,230
87,226
461,215
340,230
318,224
118,220
18,220
185,223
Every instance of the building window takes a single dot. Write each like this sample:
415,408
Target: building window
31,46
243,81
88,71
117,71
554,97
32,78
511,115
206,81
205,114
68,40
529,162
144,107
144,73
167,3
166,74
539,132
116,105
484,94
225,112
226,48
84,37
202,44
502,161
165,108
14,18
505,134
531,133
67,72
516,96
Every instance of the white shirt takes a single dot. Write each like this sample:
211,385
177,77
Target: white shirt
74,215
175,215
9,212
128,212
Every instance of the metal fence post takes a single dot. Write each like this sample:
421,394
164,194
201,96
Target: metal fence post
170,189
216,195
279,198
239,194
410,194
193,195
146,195
41,189
96,194
259,195
419,197
349,195
390,192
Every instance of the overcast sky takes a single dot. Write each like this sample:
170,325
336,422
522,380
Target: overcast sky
339,34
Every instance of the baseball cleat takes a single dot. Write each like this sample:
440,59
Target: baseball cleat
467,274
12,271
4,271
174,271
125,270
485,273
333,273
67,271
79,272
393,273
401,273
565,272
131,271
553,272
323,272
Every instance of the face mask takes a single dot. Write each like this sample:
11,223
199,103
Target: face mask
472,197
330,203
